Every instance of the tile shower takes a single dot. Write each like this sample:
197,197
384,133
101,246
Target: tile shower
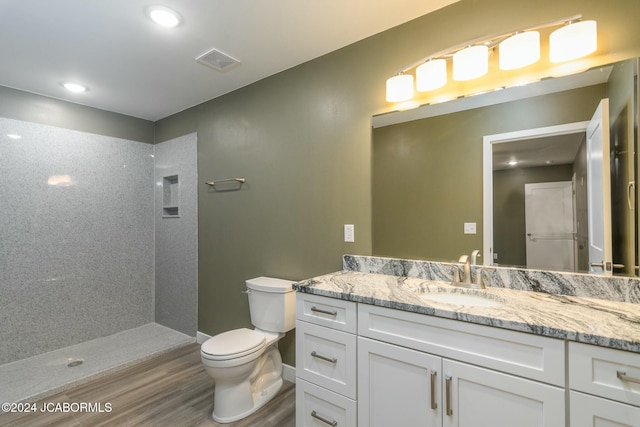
79,245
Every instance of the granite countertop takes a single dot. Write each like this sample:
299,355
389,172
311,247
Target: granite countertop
588,320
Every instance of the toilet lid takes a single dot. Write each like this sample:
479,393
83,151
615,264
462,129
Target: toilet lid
232,344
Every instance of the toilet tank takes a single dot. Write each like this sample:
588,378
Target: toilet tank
272,303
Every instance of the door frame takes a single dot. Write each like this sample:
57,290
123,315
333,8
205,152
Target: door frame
487,171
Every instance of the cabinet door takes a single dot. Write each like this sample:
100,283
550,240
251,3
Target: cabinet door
397,386
597,412
478,397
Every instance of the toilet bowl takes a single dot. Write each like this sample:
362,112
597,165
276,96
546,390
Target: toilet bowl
245,363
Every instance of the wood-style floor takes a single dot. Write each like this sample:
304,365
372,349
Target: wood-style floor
170,390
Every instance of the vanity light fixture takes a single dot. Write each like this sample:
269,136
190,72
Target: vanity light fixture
74,87
512,162
471,63
573,40
164,16
400,88
431,75
519,50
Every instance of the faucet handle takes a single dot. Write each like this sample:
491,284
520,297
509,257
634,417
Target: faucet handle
479,283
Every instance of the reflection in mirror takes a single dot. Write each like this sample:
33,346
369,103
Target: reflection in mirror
427,171
535,183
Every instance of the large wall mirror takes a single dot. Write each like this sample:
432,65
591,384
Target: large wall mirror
544,173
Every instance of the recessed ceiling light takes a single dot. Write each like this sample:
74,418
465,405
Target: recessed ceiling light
163,16
74,87
14,136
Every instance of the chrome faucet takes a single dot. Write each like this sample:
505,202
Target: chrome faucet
479,282
466,268
474,256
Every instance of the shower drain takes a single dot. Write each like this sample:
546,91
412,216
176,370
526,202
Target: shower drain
74,363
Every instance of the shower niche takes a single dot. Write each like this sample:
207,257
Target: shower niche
171,196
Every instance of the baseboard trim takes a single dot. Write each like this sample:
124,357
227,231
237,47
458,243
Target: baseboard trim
201,337
289,373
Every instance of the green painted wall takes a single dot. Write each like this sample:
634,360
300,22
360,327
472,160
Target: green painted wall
302,139
29,107
509,240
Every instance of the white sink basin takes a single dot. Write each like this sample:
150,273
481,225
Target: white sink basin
461,299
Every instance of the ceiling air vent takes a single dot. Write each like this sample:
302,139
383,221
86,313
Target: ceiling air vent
217,60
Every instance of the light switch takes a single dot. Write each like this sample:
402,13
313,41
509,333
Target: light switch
349,233
469,228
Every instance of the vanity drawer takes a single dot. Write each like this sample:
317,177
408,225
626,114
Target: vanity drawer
587,410
316,407
605,372
329,312
326,357
526,355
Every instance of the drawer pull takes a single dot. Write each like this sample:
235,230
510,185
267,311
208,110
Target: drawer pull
324,420
447,383
319,310
623,377
325,358
434,404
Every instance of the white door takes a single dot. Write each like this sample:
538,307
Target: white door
478,397
549,225
599,191
397,386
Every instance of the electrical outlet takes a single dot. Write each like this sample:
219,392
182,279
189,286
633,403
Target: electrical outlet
469,228
349,233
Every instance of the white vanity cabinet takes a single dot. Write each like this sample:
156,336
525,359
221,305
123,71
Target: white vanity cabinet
325,362
605,386
398,386
416,370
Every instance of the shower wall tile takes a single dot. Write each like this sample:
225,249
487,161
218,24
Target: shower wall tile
77,237
176,297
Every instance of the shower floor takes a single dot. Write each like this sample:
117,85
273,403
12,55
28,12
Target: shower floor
45,374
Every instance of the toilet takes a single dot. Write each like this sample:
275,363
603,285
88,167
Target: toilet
245,363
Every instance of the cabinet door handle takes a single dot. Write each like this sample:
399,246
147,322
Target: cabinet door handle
623,377
315,415
434,404
447,383
319,310
325,358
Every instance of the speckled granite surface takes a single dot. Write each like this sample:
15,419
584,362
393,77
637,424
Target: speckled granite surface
608,323
618,288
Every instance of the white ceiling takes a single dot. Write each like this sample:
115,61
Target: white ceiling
534,152
134,67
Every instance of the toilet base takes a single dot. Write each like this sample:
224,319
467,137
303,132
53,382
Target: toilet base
260,399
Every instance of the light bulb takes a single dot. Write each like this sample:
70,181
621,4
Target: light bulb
400,88
573,41
431,75
470,63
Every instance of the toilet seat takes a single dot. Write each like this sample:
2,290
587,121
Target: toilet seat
233,344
